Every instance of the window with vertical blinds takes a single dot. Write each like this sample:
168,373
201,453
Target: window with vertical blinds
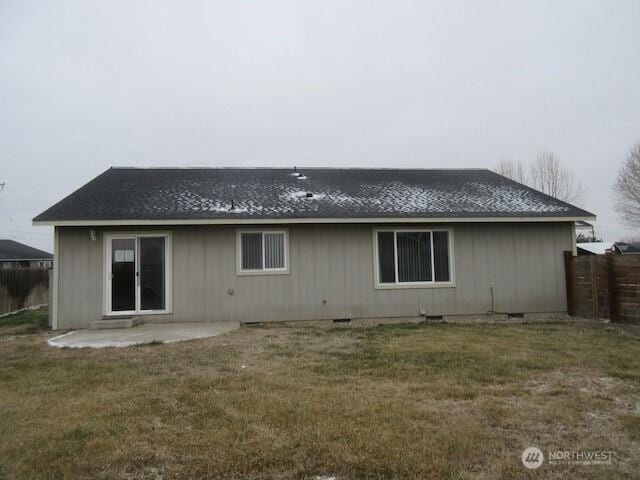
273,250
413,256
251,247
263,251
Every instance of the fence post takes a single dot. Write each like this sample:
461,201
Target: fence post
568,276
50,296
611,284
594,286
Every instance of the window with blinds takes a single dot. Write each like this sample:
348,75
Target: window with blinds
262,251
413,257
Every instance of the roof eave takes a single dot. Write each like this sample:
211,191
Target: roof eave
42,259
247,221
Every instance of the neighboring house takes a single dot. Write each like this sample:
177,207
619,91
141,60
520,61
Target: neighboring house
18,255
594,248
622,248
258,245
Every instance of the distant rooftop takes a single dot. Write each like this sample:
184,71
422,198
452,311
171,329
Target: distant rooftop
303,193
11,250
627,248
597,248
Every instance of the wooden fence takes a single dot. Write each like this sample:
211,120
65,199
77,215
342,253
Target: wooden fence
22,288
603,286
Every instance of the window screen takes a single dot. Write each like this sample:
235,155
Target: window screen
263,251
274,250
251,251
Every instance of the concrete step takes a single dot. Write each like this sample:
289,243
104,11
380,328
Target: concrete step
117,322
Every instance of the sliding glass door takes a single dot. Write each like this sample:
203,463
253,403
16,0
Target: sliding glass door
152,273
137,273
123,274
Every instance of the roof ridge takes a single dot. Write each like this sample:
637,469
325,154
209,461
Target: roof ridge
302,167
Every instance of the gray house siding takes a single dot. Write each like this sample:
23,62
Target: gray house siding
331,274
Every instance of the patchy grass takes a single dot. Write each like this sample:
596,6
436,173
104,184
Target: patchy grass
631,424
403,401
25,321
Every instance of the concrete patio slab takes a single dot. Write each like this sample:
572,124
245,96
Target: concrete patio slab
146,333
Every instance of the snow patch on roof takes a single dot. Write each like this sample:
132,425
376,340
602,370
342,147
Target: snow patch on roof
302,195
273,193
597,248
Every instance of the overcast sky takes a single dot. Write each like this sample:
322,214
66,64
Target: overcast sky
87,85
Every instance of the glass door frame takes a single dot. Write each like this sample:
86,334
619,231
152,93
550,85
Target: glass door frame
107,264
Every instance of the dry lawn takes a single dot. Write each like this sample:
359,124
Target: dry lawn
405,401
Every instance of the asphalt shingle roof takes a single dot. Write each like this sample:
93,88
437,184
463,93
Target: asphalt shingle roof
628,248
272,193
12,250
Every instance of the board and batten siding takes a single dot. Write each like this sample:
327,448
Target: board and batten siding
331,275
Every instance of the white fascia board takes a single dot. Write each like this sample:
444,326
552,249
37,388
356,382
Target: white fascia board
280,221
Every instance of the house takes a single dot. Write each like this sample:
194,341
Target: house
269,244
18,255
594,248
622,248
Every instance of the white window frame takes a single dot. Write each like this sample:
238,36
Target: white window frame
108,237
263,270
397,284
